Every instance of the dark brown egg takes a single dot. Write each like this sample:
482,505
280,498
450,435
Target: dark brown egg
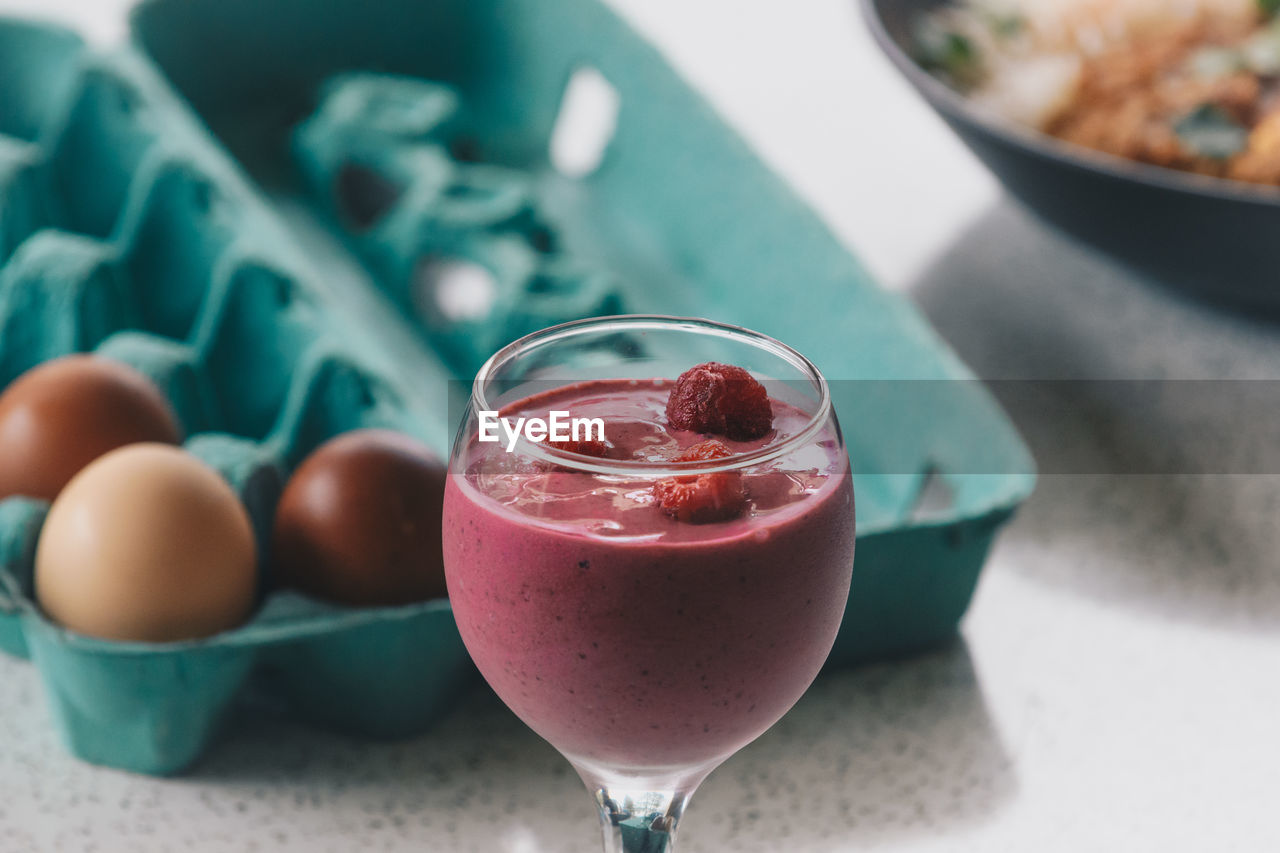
61,415
359,522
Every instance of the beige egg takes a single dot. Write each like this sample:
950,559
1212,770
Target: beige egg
147,543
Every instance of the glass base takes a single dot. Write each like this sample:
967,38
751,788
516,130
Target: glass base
640,821
641,813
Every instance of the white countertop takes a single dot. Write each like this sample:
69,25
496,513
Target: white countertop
1113,689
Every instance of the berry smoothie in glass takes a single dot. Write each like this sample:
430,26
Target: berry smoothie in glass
650,561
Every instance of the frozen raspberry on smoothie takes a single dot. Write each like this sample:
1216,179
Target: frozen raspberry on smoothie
585,447
705,451
720,399
702,498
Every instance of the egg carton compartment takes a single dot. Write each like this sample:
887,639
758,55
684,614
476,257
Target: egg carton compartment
567,118
127,232
462,246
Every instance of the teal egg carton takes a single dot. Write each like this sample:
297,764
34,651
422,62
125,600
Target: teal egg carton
253,204
677,209
128,233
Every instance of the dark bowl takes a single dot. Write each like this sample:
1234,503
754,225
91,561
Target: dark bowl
1214,238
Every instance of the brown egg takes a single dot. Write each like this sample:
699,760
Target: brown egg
61,415
147,543
359,522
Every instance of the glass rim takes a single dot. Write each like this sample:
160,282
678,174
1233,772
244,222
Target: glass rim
621,467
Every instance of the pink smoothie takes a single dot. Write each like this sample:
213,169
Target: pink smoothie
630,640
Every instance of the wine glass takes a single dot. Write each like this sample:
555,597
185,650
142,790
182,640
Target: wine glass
647,606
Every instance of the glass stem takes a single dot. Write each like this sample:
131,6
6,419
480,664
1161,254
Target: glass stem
640,821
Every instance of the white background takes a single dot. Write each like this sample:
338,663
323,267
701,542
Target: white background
1118,685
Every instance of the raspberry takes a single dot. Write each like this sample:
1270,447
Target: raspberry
720,399
584,447
702,498
705,451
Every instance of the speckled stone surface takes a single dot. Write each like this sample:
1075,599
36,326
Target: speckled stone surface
1113,689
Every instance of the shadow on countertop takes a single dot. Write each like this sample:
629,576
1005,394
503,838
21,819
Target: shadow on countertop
866,756
1197,541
